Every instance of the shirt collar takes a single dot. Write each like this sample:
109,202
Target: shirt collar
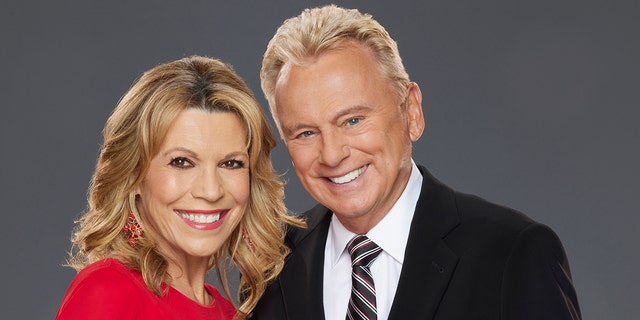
392,232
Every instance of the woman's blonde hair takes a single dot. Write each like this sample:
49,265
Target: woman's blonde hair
133,135
315,31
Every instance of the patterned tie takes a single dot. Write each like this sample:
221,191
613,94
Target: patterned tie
362,304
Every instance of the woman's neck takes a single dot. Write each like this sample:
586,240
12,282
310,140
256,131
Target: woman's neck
188,278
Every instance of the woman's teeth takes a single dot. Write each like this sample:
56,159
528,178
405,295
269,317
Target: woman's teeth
201,218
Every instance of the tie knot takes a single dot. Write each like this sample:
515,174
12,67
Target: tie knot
363,251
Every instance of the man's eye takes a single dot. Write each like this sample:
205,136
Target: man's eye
233,164
305,134
353,121
180,162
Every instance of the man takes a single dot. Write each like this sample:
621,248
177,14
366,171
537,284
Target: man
348,115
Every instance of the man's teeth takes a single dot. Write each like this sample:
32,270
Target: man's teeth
349,176
201,218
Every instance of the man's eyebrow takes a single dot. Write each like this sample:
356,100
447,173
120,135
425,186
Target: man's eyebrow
342,113
298,126
351,110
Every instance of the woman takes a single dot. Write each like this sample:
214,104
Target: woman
183,183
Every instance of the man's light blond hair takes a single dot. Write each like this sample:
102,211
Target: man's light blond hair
315,31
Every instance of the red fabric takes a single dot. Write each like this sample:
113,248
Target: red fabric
107,289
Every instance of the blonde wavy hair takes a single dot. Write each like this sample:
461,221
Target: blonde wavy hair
133,135
299,40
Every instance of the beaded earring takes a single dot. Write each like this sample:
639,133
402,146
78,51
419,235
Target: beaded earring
132,229
245,236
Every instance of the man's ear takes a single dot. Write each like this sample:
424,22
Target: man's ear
414,111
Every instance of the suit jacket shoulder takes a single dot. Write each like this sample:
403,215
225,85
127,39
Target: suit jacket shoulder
470,258
317,218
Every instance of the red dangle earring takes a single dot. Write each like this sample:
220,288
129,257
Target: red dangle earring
132,229
245,236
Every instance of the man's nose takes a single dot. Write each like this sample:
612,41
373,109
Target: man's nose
334,149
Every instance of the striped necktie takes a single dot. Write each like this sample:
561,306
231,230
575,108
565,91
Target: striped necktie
362,304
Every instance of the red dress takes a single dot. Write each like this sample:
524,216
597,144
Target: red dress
107,289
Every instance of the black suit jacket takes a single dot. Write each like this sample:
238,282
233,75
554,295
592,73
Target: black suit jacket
466,258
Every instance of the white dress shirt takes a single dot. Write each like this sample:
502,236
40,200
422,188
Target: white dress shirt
391,234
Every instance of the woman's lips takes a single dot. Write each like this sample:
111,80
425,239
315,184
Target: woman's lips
202,219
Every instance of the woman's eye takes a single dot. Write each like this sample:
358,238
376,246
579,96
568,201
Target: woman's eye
181,162
233,164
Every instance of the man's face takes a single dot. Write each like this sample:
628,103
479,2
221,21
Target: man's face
348,134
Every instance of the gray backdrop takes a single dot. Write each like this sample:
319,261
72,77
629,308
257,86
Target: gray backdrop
532,104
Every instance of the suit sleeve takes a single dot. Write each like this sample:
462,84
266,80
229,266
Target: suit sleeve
537,281
103,294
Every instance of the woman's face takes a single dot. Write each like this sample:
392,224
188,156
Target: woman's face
197,186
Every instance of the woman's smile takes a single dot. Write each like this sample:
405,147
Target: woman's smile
201,219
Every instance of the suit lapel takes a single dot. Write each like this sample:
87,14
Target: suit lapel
302,283
429,263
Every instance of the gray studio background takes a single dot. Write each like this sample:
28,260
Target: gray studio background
532,104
